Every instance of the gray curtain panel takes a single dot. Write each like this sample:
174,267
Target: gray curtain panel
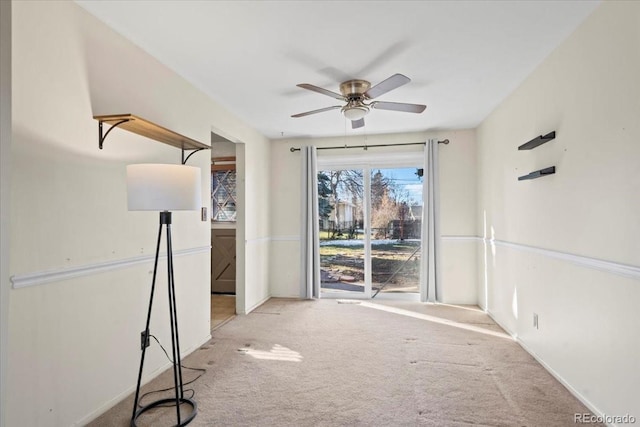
431,288
310,234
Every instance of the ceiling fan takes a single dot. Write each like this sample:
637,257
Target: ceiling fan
356,93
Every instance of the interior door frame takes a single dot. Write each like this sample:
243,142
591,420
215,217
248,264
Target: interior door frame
366,162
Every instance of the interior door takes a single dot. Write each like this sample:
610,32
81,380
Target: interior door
223,261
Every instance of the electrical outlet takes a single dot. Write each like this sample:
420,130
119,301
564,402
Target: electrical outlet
535,320
144,340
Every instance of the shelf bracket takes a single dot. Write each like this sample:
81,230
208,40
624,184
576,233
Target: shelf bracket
184,160
535,142
101,136
538,174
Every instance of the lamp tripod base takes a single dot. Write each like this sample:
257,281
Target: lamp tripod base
178,400
168,402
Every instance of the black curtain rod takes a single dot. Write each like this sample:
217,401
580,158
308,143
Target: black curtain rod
365,147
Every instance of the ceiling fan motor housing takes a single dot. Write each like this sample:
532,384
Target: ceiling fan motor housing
354,88
354,92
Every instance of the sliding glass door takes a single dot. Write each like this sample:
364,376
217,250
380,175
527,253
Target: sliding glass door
341,211
396,214
370,228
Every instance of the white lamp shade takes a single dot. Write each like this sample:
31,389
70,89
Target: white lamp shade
161,187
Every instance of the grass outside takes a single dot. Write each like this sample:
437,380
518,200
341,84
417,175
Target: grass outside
339,235
347,259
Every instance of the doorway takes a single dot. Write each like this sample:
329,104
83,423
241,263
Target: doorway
224,203
370,217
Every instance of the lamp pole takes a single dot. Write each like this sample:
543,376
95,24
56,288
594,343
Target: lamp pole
165,222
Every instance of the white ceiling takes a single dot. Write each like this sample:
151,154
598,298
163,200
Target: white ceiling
464,57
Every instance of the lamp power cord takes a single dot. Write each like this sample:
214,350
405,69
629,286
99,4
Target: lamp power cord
193,392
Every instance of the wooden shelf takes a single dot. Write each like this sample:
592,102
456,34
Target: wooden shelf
151,130
539,173
538,141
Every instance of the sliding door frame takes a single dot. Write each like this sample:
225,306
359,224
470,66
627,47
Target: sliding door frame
366,162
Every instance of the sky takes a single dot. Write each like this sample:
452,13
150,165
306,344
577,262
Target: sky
407,178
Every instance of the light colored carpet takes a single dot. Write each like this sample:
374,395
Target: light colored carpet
380,363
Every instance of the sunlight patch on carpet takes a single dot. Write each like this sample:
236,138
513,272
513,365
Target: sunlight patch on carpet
434,319
277,352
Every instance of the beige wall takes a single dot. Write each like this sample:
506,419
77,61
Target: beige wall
67,210
5,188
458,190
587,90
74,342
257,198
221,148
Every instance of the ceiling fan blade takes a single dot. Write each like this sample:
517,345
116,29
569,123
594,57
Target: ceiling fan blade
387,85
321,110
355,124
398,106
321,90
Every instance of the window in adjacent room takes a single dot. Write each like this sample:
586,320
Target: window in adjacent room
223,189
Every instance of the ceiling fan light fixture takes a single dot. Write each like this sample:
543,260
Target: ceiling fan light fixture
354,113
358,94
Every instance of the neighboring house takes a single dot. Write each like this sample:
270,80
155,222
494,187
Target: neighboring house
415,212
343,215
342,218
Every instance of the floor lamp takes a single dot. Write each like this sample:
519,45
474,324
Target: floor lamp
164,188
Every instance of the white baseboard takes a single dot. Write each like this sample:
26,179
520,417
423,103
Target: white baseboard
289,296
145,379
562,381
549,369
256,305
507,330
